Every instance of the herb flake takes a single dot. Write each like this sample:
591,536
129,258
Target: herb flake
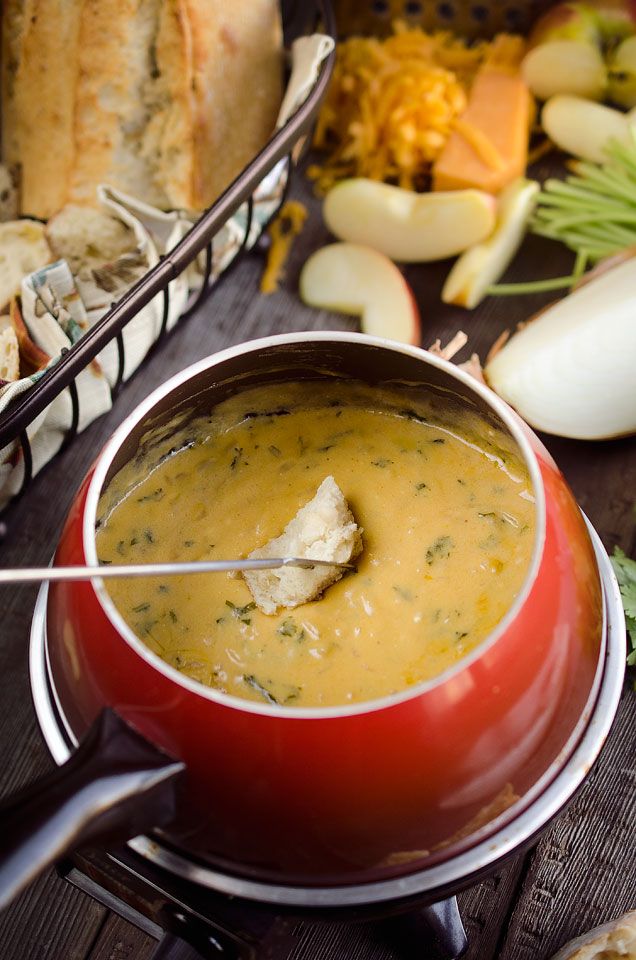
241,613
252,682
157,494
289,628
440,549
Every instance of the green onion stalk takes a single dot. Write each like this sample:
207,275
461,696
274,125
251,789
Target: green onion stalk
592,211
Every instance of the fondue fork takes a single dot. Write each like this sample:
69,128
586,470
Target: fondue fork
39,574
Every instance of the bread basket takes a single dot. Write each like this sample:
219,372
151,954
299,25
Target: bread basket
248,204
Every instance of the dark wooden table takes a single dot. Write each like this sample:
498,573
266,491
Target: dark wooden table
581,873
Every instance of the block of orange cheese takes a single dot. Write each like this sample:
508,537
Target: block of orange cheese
488,147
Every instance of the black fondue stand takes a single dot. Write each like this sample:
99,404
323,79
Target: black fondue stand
192,922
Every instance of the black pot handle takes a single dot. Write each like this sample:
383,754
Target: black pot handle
115,786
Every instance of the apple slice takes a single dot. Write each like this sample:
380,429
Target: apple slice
621,87
565,66
583,128
483,264
353,279
406,226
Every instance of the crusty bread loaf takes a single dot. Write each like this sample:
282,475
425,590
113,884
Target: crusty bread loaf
8,196
9,352
324,529
37,106
165,99
237,75
10,48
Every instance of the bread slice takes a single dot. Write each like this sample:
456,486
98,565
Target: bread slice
615,940
324,529
23,249
9,352
166,100
86,237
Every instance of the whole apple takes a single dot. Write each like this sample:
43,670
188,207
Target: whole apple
570,44
615,19
569,20
599,22
621,76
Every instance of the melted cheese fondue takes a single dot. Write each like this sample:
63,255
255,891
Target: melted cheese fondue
443,499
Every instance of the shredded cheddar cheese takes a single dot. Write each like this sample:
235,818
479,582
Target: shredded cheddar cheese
392,105
282,232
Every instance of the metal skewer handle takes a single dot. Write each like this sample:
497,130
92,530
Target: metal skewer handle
39,574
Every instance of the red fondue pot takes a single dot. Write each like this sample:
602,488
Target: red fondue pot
350,794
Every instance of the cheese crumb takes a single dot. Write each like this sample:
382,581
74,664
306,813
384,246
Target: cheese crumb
324,529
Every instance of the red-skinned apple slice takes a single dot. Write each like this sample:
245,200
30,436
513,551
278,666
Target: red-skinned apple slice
350,278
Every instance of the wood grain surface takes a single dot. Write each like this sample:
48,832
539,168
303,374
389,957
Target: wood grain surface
581,873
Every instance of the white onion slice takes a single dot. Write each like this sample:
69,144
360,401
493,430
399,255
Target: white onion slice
572,370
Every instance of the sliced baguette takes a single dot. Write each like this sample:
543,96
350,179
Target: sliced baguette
23,249
114,98
9,352
86,237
